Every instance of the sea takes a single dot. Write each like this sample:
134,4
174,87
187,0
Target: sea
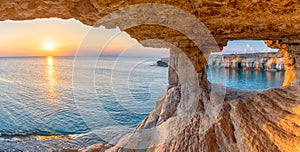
55,103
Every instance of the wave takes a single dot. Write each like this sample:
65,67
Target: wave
39,133
27,134
5,80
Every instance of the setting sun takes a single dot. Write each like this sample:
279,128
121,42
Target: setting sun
49,45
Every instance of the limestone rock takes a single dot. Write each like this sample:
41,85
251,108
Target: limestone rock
255,61
289,51
263,121
267,121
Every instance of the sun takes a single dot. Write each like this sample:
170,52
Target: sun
49,45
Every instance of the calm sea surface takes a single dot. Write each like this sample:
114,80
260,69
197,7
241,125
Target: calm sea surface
39,109
246,79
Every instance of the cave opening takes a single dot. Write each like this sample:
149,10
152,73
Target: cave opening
239,66
39,66
246,124
247,65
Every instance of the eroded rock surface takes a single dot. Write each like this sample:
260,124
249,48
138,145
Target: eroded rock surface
291,52
255,61
265,121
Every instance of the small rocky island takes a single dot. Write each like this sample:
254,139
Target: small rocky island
163,62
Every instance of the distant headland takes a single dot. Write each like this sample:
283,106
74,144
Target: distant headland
254,61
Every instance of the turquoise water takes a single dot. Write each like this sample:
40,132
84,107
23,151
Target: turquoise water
246,79
39,110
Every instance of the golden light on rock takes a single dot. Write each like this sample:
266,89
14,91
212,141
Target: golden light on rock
265,119
286,134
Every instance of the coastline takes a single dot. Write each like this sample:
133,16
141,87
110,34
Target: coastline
256,61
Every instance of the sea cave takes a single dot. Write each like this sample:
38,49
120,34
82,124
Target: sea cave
193,114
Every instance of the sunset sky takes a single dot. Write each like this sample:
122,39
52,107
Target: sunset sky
57,37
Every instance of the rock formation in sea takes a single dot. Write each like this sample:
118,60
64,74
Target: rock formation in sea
163,62
194,115
255,61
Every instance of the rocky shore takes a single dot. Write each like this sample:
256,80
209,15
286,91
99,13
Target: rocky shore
257,61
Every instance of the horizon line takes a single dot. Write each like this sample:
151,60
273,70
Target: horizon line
73,56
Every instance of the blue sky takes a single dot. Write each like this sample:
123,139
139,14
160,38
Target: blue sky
247,46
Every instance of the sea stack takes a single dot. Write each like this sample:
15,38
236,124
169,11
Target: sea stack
163,62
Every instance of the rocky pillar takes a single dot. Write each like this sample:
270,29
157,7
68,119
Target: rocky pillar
187,91
289,65
291,53
172,69
294,61
187,73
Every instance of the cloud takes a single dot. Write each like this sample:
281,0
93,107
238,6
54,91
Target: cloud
248,48
269,50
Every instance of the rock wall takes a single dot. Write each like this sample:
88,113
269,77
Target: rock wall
260,121
291,54
268,62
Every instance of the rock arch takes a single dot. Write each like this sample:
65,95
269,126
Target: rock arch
266,121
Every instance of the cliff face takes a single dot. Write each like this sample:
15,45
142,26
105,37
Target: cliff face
291,56
194,115
266,121
248,61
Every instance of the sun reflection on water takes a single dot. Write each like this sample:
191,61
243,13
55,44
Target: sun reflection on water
51,78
